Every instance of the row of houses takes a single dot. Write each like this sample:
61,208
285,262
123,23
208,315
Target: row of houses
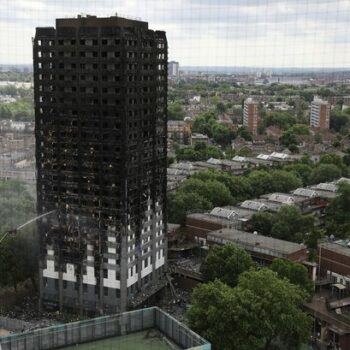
330,307
312,199
178,172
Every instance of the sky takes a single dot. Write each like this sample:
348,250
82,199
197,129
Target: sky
235,33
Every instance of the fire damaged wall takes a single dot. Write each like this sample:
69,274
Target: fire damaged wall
100,107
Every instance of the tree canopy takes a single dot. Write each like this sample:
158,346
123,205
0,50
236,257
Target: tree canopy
200,151
226,263
325,173
262,312
287,224
296,273
337,212
175,111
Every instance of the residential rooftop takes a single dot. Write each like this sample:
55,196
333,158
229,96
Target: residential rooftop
255,242
339,247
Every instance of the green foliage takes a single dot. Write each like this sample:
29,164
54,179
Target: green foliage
291,225
222,135
200,151
204,123
261,223
245,134
339,120
303,171
331,159
207,124
238,186
278,305
296,273
324,173
259,313
260,181
180,203
214,191
21,110
311,241
226,263
16,76
288,139
175,111
299,129
220,107
337,213
282,120
284,181
318,138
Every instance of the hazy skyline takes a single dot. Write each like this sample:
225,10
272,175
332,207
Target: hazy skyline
263,33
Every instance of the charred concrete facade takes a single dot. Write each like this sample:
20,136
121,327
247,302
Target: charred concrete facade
101,126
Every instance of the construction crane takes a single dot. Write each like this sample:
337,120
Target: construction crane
15,230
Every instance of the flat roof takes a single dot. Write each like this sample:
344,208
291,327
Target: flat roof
336,247
246,239
94,21
242,213
279,197
150,339
271,206
325,194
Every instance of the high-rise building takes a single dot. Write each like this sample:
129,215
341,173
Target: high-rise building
250,115
320,114
101,136
173,69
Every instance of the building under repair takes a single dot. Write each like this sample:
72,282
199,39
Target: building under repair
100,105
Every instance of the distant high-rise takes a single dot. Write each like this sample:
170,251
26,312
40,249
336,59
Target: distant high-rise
173,69
320,114
101,138
250,115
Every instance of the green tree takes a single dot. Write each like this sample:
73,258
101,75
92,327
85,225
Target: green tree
214,191
263,312
331,159
245,134
325,173
318,138
222,135
200,151
299,129
204,123
284,181
280,303
175,111
180,203
226,263
238,186
338,120
282,120
261,223
303,171
288,139
337,212
220,107
291,225
260,182
296,273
